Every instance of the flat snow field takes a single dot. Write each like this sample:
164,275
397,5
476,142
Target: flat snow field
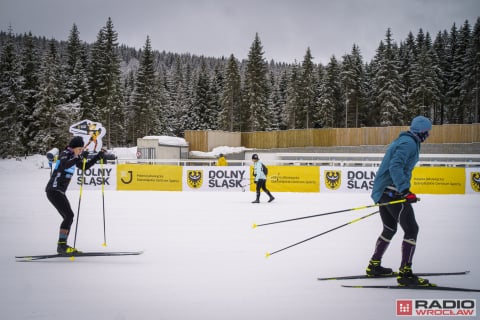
203,260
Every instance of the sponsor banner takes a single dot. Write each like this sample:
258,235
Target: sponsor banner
290,179
149,177
472,186
201,178
436,307
438,180
347,179
92,178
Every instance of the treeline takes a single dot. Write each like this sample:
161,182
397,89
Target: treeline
46,85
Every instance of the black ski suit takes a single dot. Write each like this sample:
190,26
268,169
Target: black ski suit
60,179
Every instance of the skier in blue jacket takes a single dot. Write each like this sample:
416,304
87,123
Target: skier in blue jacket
392,182
260,179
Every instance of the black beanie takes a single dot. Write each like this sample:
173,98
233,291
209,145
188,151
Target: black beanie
76,142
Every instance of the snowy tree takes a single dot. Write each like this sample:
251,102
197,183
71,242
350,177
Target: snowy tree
473,69
30,74
105,82
330,96
352,76
52,116
389,90
146,105
307,92
12,105
231,98
256,85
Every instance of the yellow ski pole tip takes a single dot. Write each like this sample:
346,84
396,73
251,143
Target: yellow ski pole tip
104,244
267,255
72,258
254,226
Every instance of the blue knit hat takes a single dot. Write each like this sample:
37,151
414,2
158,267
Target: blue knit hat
420,124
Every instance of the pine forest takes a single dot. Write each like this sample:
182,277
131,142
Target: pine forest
46,85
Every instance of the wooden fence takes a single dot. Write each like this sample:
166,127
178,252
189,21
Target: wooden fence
450,133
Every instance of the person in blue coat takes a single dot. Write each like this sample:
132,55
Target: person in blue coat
260,179
392,182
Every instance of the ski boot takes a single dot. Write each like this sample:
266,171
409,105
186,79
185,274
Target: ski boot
63,248
407,278
374,269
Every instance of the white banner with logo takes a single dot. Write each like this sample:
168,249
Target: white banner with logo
93,177
229,178
472,185
347,179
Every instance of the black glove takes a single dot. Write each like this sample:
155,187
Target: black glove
409,196
101,154
85,154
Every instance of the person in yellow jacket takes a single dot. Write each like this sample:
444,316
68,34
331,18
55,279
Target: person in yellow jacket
221,160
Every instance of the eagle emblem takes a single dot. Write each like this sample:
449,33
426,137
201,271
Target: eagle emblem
333,179
475,181
194,178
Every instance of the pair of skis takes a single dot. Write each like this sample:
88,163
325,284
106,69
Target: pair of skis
431,286
74,255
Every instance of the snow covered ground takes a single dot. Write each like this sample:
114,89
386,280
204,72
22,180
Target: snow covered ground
203,260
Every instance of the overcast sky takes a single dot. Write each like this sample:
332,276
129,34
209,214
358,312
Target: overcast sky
220,28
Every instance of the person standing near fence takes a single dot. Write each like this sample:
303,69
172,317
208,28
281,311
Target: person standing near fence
392,182
260,179
221,161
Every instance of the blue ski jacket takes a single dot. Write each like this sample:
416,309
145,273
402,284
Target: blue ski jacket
397,165
258,171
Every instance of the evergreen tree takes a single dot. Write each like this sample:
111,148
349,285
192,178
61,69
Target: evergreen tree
352,76
389,90
29,72
105,83
425,81
201,113
256,85
76,86
12,105
330,113
146,106
293,103
231,99
52,116
473,69
440,48
307,92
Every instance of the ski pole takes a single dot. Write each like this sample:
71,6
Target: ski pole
333,212
271,177
103,203
268,254
79,201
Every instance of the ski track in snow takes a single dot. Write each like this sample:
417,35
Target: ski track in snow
203,259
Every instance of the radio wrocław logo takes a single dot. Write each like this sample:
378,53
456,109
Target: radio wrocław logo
194,178
333,179
436,307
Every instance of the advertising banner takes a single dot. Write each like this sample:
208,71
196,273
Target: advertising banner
202,178
347,179
438,180
290,179
92,178
149,177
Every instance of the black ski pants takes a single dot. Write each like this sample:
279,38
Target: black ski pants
61,203
400,213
